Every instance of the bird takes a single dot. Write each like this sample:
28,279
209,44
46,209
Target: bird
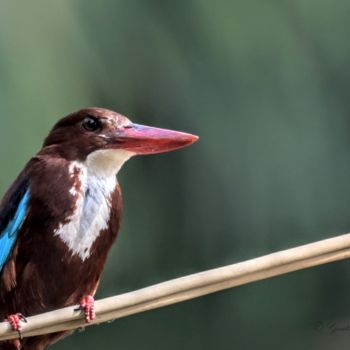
60,217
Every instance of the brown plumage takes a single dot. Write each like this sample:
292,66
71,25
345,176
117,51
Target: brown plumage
73,213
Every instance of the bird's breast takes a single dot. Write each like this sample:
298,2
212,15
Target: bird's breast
91,195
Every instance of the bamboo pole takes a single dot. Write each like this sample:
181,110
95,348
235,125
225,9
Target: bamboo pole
188,287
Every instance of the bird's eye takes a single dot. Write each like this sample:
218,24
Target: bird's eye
91,124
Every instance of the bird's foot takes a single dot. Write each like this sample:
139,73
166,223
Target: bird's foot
15,321
87,304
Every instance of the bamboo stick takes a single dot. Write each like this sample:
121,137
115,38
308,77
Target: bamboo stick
188,287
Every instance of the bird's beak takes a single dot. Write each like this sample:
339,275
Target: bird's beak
142,139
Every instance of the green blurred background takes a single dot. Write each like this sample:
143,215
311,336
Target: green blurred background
266,86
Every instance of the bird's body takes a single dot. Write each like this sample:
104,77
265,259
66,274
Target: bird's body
41,274
62,214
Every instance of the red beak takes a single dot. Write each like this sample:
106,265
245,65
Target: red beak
142,139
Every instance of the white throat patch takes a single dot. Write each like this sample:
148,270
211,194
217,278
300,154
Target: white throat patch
95,182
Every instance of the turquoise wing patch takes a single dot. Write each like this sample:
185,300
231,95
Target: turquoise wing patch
9,234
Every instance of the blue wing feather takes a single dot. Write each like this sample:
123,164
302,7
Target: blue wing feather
9,234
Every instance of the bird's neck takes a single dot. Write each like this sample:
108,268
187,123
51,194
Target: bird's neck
106,163
94,182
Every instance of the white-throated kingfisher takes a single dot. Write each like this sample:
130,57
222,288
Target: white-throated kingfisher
62,214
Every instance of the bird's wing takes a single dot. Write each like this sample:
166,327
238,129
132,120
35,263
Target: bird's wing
13,211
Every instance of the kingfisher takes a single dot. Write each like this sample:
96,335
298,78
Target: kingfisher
62,214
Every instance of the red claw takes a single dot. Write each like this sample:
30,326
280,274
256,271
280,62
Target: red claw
15,322
87,304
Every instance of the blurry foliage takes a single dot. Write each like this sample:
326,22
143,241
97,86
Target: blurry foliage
265,84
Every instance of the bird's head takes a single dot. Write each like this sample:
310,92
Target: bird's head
102,137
